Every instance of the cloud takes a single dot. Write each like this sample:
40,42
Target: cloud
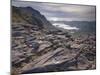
61,11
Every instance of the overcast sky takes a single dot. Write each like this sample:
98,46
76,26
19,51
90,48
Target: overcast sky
61,12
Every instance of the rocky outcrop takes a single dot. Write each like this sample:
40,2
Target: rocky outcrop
39,47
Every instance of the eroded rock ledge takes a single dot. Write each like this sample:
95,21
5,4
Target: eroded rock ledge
37,51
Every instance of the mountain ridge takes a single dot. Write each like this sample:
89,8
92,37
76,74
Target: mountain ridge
31,16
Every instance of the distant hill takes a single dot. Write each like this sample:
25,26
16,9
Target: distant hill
84,26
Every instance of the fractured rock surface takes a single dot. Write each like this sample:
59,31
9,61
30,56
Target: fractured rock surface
36,49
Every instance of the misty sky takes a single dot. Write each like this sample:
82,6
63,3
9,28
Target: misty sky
61,12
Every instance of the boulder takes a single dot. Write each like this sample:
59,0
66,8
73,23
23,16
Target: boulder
44,45
77,45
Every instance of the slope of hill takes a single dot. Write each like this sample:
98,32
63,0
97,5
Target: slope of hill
30,16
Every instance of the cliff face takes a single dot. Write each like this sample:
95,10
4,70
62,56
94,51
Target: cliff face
37,46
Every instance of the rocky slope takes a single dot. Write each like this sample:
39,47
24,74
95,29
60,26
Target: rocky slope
37,46
28,15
